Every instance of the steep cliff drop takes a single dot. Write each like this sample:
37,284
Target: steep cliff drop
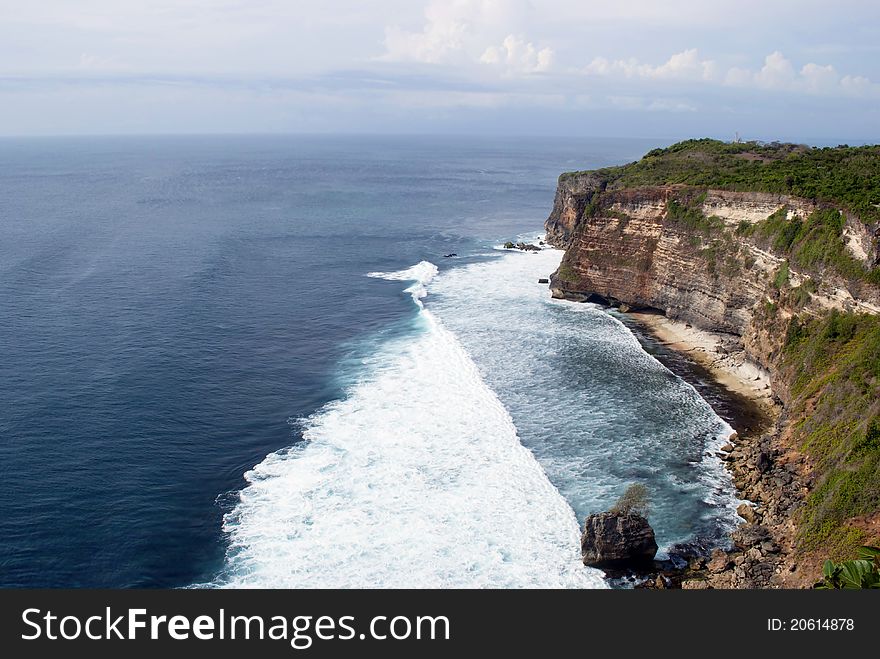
773,249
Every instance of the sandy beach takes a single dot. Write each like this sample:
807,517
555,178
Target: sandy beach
730,368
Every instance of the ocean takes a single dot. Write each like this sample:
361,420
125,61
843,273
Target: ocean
248,361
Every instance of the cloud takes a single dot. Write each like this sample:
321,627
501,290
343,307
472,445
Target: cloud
818,79
444,32
779,73
738,77
464,32
685,65
776,72
518,56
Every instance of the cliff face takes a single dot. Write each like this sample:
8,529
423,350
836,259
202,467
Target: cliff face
573,193
638,248
791,286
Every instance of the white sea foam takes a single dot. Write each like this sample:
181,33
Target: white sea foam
420,274
596,409
416,479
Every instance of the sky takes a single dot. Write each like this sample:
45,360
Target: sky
805,70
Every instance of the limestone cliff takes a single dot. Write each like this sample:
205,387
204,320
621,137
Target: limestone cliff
637,248
756,266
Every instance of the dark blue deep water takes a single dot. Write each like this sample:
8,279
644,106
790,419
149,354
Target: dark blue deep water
170,307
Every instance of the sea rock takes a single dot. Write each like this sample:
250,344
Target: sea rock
543,280
745,511
618,540
524,247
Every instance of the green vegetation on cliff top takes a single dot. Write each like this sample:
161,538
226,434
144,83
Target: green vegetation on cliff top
845,176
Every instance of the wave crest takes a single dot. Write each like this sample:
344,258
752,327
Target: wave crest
421,273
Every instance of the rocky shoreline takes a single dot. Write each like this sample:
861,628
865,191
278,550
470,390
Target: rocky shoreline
766,472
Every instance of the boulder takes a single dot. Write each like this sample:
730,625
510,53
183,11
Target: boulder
719,561
618,540
745,511
749,535
543,280
525,247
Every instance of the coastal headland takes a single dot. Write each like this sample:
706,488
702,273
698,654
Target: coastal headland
761,263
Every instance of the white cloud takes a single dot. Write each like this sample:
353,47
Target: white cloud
465,32
819,79
685,65
778,73
518,56
444,32
859,86
738,77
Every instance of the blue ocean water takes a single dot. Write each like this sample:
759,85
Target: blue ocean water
175,310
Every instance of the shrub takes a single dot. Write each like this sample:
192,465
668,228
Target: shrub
745,228
566,272
864,572
634,500
782,276
689,216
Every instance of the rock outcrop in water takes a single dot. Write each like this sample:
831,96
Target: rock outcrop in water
521,246
618,540
790,283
